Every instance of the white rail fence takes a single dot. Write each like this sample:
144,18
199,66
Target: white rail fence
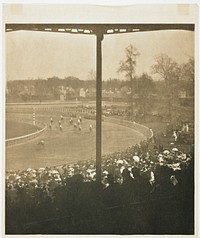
25,138
136,126
49,109
27,112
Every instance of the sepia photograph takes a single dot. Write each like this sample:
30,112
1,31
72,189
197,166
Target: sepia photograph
100,119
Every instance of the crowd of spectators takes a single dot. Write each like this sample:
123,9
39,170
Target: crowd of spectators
145,190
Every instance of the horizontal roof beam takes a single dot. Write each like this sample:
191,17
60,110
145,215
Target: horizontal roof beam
93,28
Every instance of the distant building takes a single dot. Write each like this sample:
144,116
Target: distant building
82,93
91,92
182,94
62,97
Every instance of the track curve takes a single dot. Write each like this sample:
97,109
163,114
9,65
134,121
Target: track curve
69,146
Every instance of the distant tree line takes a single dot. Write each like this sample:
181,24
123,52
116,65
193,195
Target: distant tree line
174,85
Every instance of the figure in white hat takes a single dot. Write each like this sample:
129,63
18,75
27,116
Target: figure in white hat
175,136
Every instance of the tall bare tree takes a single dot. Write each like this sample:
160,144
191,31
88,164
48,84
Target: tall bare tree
169,70
188,76
188,70
146,88
91,75
128,66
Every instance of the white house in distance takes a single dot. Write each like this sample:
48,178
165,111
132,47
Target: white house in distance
66,92
82,93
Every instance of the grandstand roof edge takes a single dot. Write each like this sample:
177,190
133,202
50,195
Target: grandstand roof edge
94,28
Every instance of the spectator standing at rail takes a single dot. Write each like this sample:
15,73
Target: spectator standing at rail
183,128
142,190
187,127
112,204
175,136
111,194
128,197
127,188
90,128
151,131
164,192
142,185
136,159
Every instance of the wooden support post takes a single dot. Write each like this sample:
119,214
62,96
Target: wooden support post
99,36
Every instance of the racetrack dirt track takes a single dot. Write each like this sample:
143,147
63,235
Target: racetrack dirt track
69,145
16,129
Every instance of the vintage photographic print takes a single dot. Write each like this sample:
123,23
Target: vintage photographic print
100,119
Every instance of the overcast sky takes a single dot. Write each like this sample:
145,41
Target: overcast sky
43,55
